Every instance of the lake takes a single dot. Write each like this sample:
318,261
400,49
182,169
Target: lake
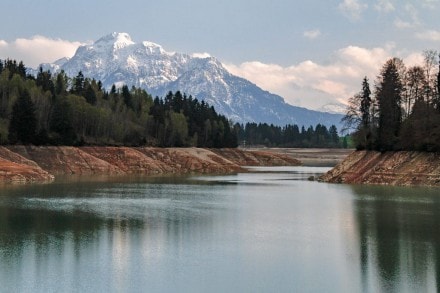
270,230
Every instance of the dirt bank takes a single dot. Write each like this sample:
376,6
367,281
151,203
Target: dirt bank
316,157
390,168
31,163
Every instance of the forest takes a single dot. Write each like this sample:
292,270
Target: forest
289,136
402,112
54,109
51,109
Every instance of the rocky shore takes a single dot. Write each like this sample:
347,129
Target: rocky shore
390,168
44,163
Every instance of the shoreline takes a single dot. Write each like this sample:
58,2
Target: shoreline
313,157
403,168
29,164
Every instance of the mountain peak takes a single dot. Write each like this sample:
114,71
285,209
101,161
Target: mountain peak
116,60
153,48
118,40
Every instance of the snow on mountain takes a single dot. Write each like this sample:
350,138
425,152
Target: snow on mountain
335,108
116,59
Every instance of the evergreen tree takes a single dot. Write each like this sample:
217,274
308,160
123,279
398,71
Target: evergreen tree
22,127
334,137
389,96
78,84
126,95
61,123
61,83
44,79
113,90
365,104
359,117
90,94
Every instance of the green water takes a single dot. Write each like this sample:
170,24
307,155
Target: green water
268,231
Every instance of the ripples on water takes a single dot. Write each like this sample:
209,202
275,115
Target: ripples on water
271,230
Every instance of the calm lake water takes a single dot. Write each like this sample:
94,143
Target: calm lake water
268,231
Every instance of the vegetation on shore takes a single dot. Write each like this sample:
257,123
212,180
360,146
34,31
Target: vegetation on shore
54,109
58,110
402,112
289,136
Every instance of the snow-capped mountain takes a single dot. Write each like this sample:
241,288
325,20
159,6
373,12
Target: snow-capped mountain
116,59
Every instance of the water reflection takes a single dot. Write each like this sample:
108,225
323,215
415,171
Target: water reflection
269,231
399,238
100,236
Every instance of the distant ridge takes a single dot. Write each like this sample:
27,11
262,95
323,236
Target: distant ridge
116,59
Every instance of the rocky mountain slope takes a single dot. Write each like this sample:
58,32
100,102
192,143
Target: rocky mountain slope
116,59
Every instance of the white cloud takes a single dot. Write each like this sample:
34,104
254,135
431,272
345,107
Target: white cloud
429,35
201,55
352,9
312,85
413,14
399,23
313,34
37,50
384,6
430,3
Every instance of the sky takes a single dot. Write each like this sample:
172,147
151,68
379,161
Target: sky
310,52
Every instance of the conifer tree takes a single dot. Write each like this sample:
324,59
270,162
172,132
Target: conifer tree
78,84
22,127
389,96
359,116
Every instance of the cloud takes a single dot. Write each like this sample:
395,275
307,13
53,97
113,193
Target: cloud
411,15
384,6
399,23
37,50
313,34
429,35
312,85
352,9
201,55
430,3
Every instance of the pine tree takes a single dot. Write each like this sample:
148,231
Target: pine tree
389,96
359,117
126,95
365,104
61,83
61,123
22,127
90,94
78,84
44,79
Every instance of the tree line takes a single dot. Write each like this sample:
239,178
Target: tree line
403,110
49,109
253,134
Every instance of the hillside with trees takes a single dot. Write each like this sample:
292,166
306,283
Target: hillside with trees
403,110
54,109
51,109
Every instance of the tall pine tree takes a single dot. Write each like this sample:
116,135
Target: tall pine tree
22,126
389,97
